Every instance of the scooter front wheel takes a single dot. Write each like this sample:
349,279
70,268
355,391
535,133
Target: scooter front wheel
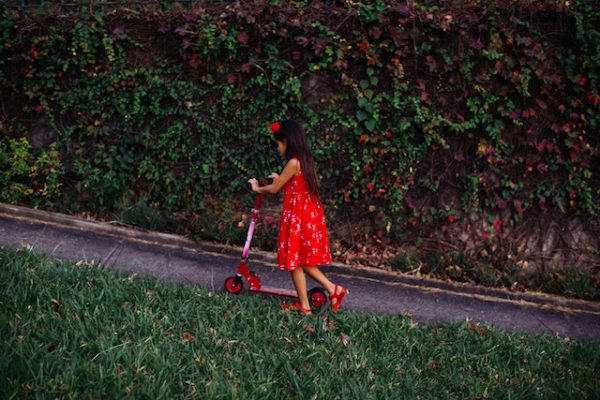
234,284
317,297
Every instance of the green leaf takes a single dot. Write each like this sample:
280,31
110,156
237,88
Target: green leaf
362,115
370,124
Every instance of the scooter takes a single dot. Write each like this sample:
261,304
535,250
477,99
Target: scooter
317,296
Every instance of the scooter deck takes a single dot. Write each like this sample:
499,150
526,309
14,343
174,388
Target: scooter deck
275,291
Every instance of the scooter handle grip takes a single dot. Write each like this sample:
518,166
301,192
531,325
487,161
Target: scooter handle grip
265,181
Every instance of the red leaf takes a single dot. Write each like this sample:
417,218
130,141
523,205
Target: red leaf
529,113
555,78
400,37
246,67
431,63
541,145
519,206
541,103
302,41
34,52
195,61
542,168
497,224
187,337
242,37
376,32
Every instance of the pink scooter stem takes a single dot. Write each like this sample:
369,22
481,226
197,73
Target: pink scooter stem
243,270
255,212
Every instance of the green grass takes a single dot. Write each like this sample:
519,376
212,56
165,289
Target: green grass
79,331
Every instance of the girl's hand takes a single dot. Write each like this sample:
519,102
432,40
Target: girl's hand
254,184
274,175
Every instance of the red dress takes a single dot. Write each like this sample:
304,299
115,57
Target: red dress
302,230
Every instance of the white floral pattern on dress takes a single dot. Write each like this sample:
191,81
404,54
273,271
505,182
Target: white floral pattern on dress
302,228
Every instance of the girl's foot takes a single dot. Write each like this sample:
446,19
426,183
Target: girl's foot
338,295
296,307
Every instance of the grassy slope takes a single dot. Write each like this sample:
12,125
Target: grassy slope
79,331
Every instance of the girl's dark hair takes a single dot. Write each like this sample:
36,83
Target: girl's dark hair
293,135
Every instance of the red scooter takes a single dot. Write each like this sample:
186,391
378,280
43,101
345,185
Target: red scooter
317,296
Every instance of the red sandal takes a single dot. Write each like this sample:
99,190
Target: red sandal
337,295
296,307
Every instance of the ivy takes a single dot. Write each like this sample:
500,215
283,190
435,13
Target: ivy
400,102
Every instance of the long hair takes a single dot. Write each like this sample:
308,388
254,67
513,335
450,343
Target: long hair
293,135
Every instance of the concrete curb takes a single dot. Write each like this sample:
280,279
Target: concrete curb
360,272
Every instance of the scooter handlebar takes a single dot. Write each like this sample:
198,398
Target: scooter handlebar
265,181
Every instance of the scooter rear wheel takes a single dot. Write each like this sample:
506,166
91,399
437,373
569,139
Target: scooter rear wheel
317,297
234,284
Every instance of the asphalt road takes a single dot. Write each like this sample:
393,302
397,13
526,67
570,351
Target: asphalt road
371,291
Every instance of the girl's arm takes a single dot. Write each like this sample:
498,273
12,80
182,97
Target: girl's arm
290,169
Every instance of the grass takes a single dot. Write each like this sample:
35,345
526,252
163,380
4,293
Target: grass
79,331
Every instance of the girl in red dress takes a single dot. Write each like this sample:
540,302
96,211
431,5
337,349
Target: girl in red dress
303,244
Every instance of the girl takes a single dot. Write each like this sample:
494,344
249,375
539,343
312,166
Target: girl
303,243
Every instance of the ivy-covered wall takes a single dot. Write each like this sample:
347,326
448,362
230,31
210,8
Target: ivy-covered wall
468,127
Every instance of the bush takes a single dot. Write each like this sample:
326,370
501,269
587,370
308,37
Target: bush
419,115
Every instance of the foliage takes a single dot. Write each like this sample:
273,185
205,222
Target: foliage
419,115
496,269
29,174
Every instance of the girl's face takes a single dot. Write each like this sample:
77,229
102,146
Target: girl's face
281,147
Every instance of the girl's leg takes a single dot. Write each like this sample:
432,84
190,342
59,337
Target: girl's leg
299,280
316,274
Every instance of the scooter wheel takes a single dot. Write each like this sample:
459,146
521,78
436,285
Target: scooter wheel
233,284
317,297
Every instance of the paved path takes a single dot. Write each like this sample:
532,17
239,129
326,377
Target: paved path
173,257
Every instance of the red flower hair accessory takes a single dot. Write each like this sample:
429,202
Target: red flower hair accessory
275,127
